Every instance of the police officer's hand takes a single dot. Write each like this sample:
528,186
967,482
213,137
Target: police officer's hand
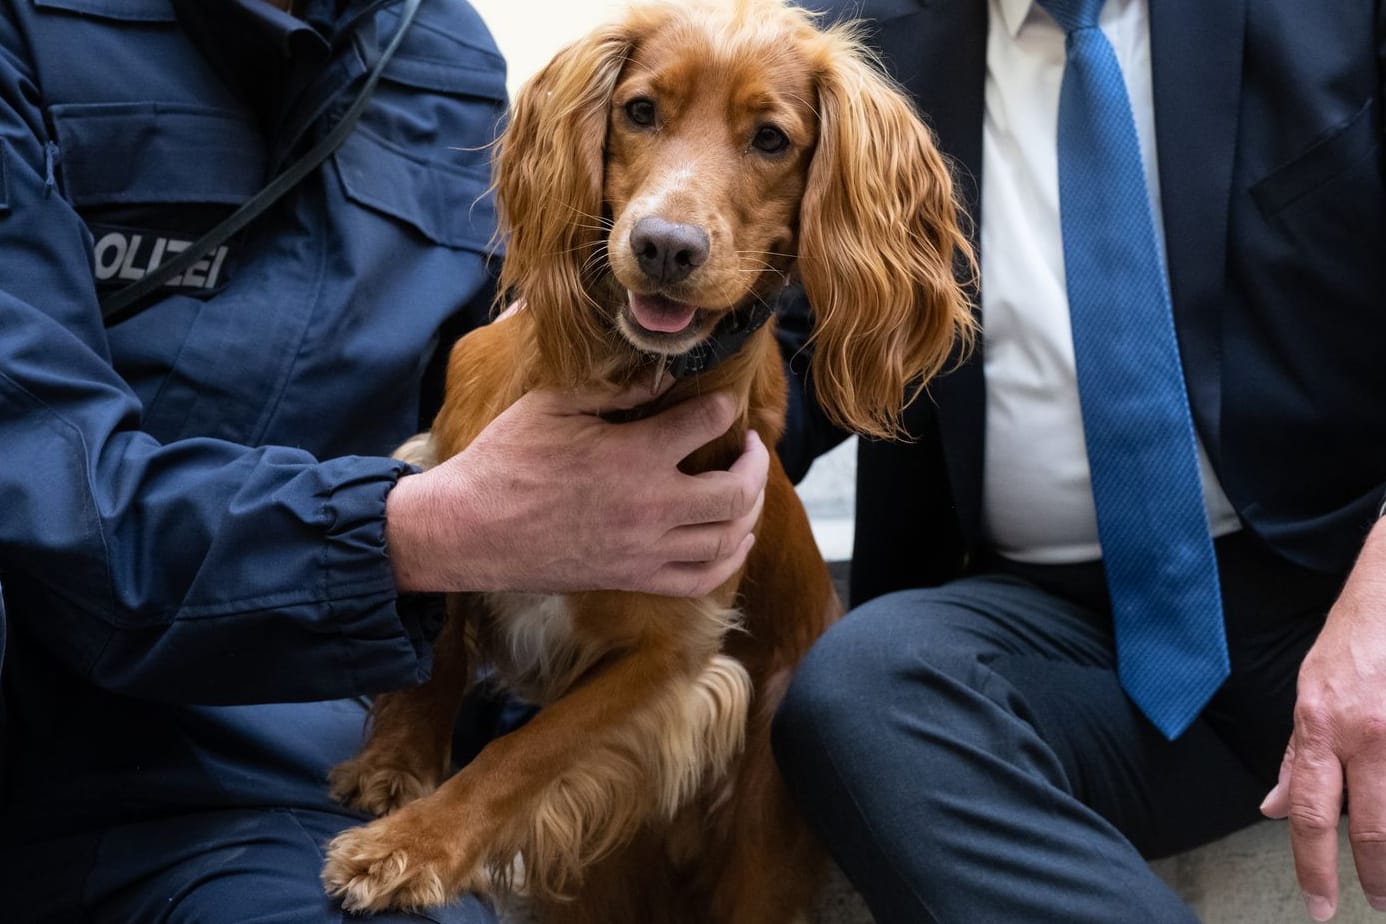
551,497
1338,749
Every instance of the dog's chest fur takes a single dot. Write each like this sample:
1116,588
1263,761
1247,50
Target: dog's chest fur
533,646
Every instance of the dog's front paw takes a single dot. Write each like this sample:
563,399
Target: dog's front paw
376,787
390,865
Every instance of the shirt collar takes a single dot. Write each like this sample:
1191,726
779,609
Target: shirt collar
1014,13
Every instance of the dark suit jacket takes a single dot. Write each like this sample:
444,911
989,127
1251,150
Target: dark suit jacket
1268,117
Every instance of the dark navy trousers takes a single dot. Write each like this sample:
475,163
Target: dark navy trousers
236,866
234,863
968,756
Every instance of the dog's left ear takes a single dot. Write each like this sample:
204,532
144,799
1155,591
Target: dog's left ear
880,248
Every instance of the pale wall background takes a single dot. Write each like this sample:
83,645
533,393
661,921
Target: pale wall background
529,33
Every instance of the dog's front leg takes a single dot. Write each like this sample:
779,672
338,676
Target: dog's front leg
559,792
410,746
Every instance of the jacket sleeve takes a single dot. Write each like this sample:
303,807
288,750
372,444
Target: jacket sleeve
197,571
808,433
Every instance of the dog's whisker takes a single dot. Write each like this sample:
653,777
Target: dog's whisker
768,253
756,269
600,219
595,261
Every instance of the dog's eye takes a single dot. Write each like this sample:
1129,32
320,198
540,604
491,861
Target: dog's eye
641,111
769,140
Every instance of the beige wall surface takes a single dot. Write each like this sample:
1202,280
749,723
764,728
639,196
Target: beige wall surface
530,31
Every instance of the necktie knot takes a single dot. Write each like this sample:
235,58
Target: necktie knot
1072,15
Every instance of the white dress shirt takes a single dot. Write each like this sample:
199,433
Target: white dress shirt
1037,493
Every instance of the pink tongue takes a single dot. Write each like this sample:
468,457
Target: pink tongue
660,314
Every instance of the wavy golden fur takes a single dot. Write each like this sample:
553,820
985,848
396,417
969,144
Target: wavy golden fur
879,244
671,169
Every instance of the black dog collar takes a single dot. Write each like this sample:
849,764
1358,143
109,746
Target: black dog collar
729,336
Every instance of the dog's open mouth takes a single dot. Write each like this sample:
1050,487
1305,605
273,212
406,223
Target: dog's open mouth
661,315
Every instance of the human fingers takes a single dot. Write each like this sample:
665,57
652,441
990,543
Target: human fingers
710,542
1366,786
1316,802
687,579
1277,801
754,461
680,429
722,496
719,517
751,468
596,399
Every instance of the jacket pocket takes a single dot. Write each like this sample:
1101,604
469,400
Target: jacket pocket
1326,158
415,154
449,205
125,10
147,153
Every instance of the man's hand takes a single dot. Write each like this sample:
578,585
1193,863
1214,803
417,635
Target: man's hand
1338,748
550,497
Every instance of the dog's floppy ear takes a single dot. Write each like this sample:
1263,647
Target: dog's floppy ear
548,174
879,246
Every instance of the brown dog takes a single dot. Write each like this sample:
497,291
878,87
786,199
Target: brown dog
659,182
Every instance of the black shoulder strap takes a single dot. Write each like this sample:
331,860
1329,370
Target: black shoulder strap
126,302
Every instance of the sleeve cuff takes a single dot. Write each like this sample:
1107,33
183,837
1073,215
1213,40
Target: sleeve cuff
390,634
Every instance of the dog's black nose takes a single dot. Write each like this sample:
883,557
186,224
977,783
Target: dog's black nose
668,252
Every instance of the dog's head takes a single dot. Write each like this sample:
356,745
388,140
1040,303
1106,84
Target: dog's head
684,162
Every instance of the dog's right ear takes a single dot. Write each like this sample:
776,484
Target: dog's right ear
881,247
548,174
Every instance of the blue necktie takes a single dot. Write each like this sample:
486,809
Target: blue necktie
1161,571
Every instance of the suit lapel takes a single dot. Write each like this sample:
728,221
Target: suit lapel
1196,59
938,53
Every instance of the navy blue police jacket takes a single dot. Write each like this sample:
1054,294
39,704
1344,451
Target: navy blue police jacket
192,500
